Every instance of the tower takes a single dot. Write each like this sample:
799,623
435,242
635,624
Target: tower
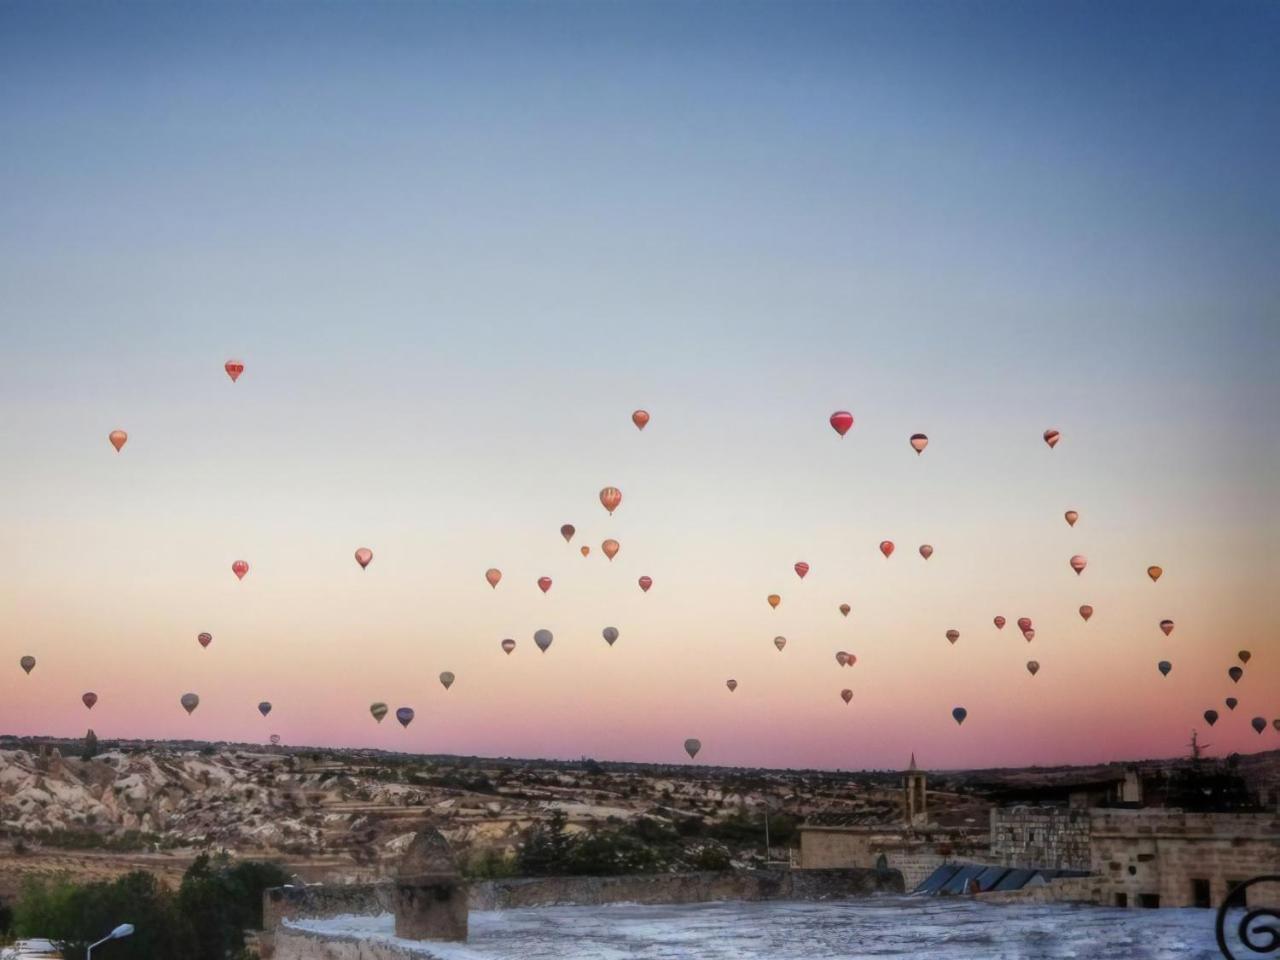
914,810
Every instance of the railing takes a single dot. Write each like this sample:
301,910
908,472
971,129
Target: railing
1251,935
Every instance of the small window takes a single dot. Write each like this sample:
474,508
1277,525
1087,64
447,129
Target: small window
1133,871
1200,893
1122,899
1149,901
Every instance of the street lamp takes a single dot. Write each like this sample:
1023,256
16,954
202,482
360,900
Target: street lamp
121,931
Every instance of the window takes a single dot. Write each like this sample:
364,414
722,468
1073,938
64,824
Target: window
1149,901
1200,893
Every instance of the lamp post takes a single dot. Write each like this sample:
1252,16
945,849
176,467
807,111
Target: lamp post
119,932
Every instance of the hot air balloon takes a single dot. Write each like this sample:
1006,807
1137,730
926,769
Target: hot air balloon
1033,667
1245,656
446,679
732,685
926,551
850,660
779,642
379,710
118,439
691,747
567,531
584,550
508,645
846,694
1276,723
1211,717
1078,563
1155,573
275,739
1072,517
886,547
544,584
363,556
610,635
1235,673
640,418
959,713
405,716
1086,612
234,368
999,622
1164,666
841,421
844,609
1231,703
610,497
842,658
1029,634
1024,624
1259,724
611,548
264,708
645,583
801,569
204,639
918,442
240,568
543,639
1166,626
27,663
1051,437
89,699
494,576
189,702
953,635
774,600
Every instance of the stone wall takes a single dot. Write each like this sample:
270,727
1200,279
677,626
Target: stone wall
300,945
327,900
1045,837
915,855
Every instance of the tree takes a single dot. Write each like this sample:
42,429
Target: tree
90,745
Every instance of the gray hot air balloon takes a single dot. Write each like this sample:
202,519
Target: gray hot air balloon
1164,666
275,739
1235,673
1259,724
959,713
692,746
1033,667
543,639
446,679
1211,717
610,634
405,716
27,663
189,702
379,710
264,708
508,645
1231,703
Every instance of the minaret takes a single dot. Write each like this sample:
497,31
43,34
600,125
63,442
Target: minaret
914,810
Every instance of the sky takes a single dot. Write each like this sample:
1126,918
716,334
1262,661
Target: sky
456,245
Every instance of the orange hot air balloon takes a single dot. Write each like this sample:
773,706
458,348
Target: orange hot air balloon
584,550
1029,634
1024,623
118,439
1166,626
926,551
844,609
841,421
508,645
234,368
846,695
1033,667
204,639
779,642
363,557
89,699
567,531
886,547
1078,563
493,575
918,442
240,568
1154,573
953,635
611,548
842,658
999,622
544,584
1051,437
1086,612
1071,516
732,685
774,600
640,418
645,583
610,498
801,569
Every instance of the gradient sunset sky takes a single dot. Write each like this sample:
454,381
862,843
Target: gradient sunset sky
457,244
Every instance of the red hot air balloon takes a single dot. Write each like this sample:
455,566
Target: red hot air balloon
918,442
1086,612
363,557
886,547
844,609
850,660
640,418
118,439
1166,626
926,551
842,658
953,636
240,568
89,699
999,622
508,645
544,584
645,583
567,531
801,569
1024,624
494,576
234,368
841,421
846,695
1051,437
1078,563
205,639
610,498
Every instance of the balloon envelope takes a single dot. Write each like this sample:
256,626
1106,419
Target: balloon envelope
189,702
1164,666
926,551
204,639
584,550
1211,717
610,634
918,442
1024,623
610,498
691,747
118,439
1051,437
953,635
405,716
959,713
1231,703
774,600
544,584
27,663
89,699
640,418
645,583
1258,723
275,739
801,569
1166,626
363,556
732,685
846,695
379,710
493,575
234,368
1078,563
611,548
1072,517
543,639
1086,612
886,547
446,679
999,622
240,568
844,609
1235,673
1033,667
567,531
1245,656
264,708
841,421
508,645
1155,573
1029,634
779,642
